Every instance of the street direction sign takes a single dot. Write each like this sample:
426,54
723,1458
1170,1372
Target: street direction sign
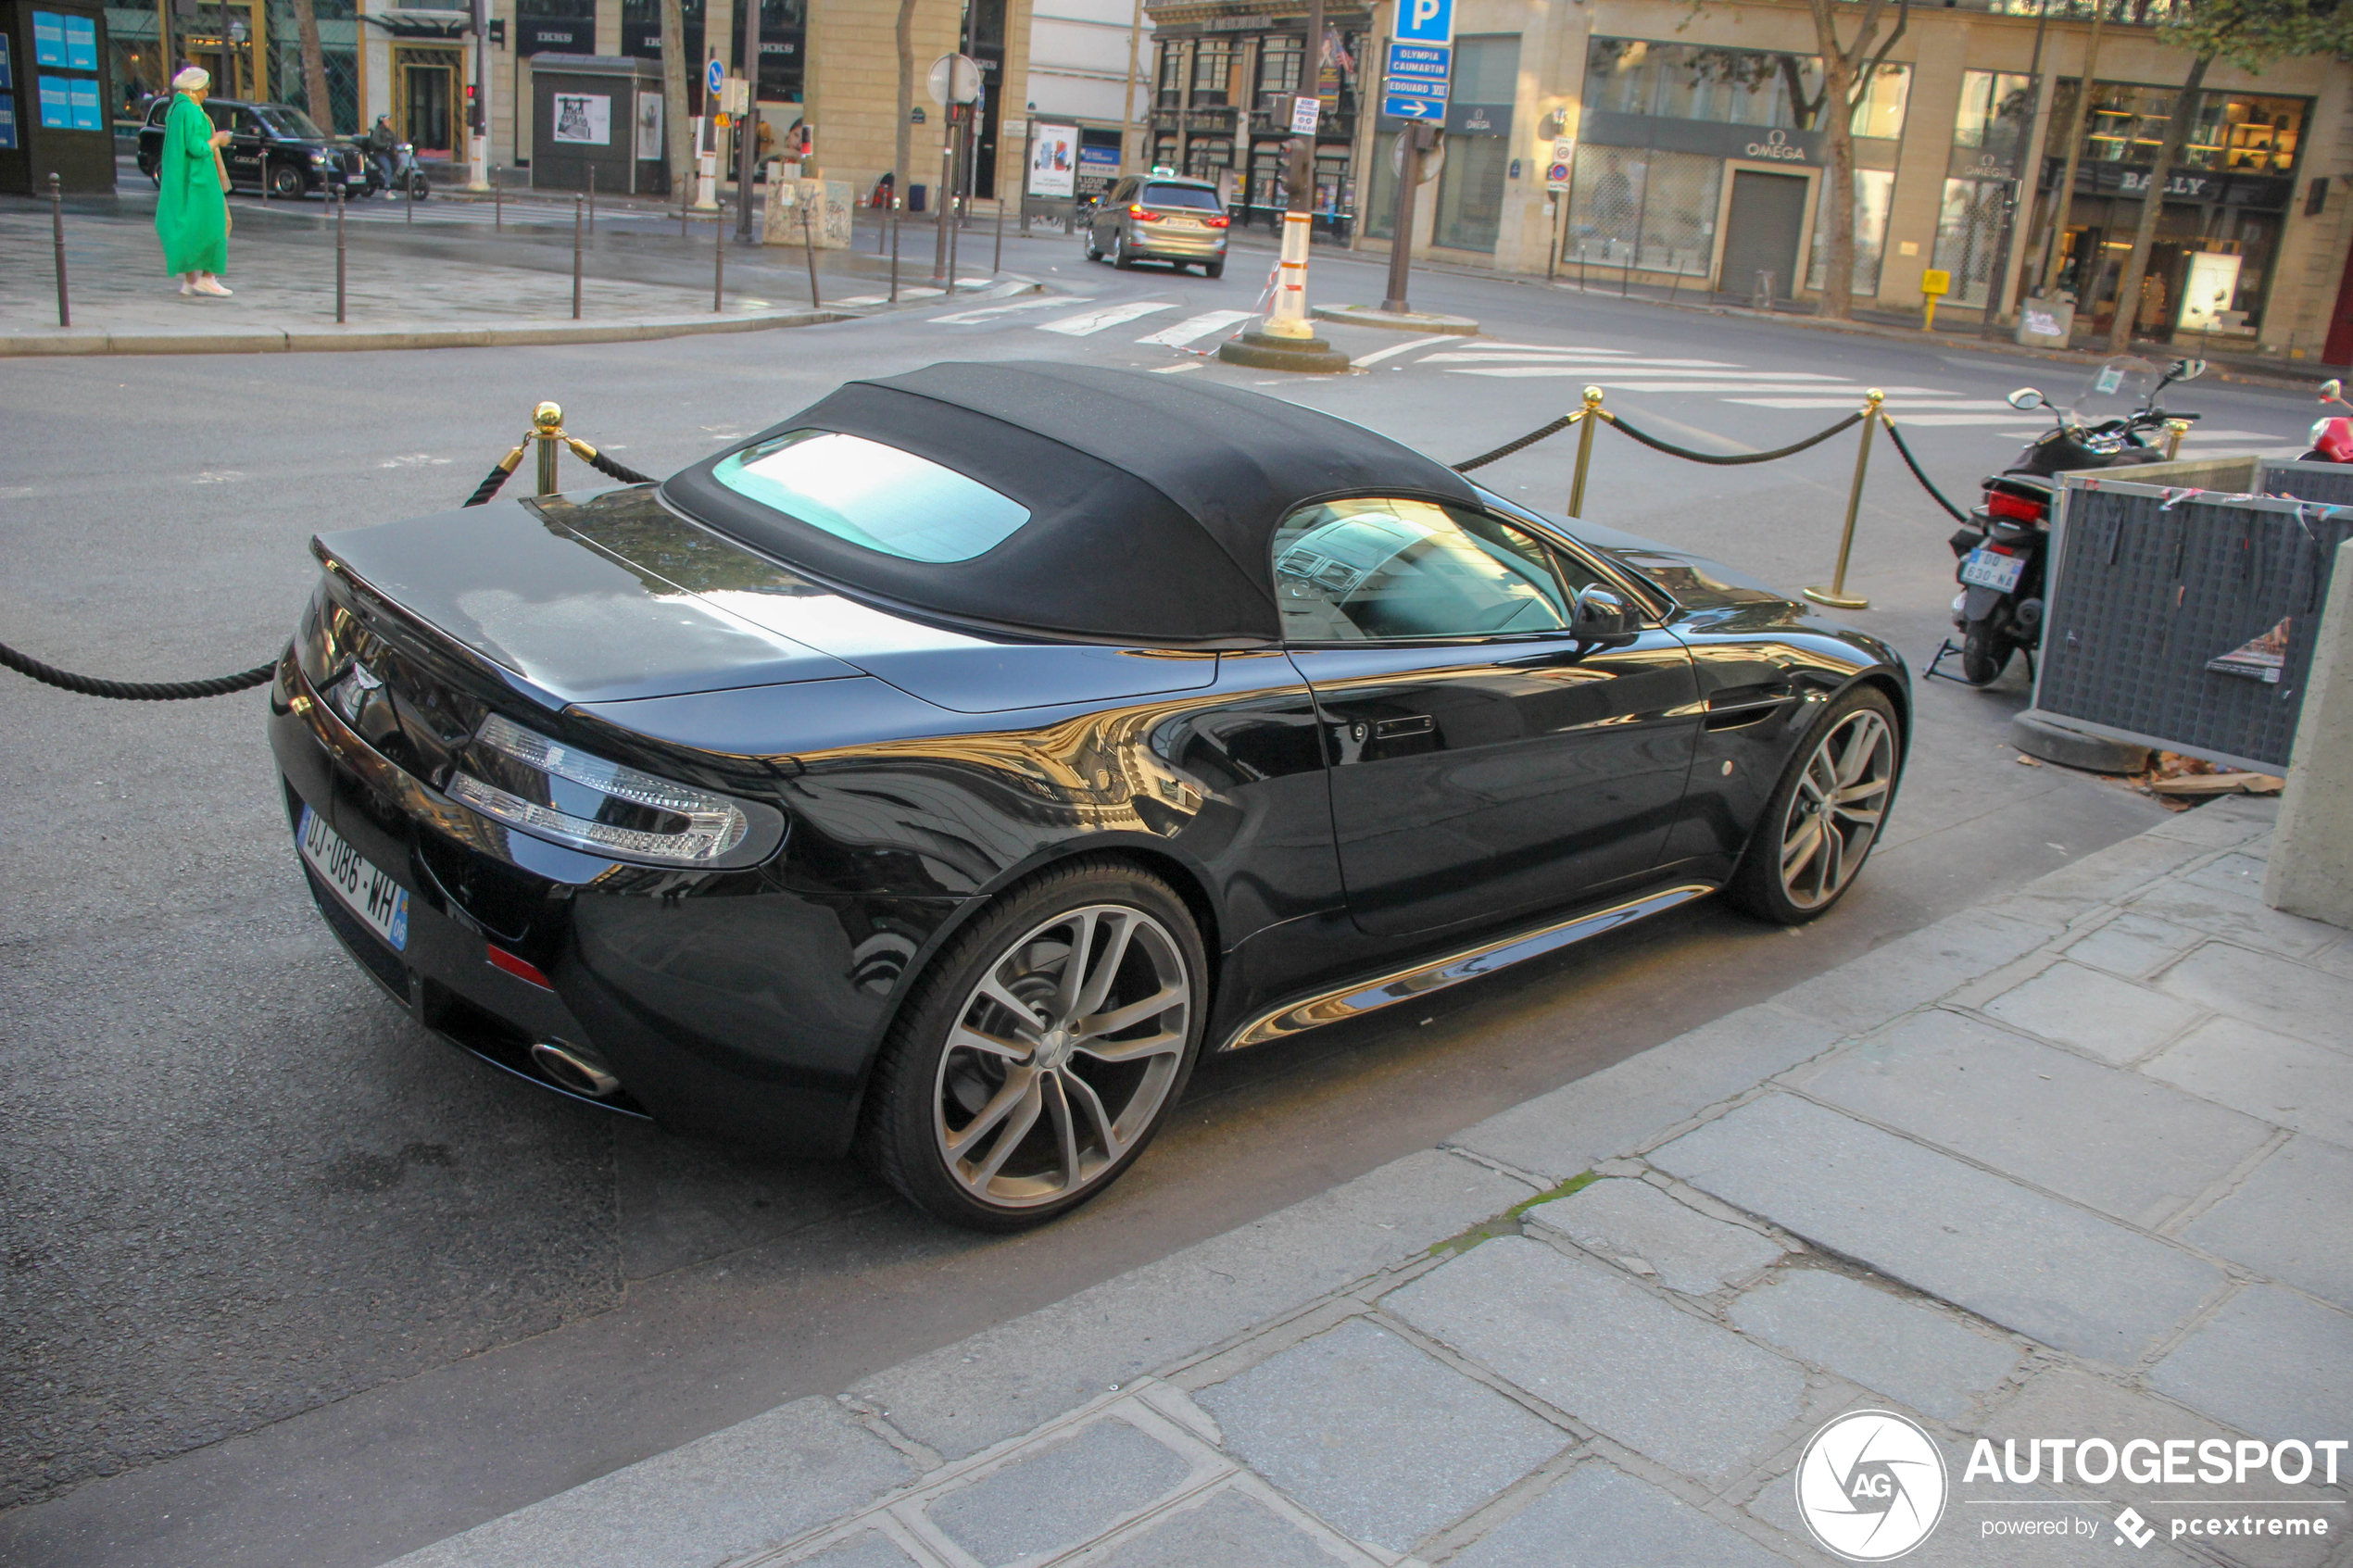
717,75
1426,21
1415,85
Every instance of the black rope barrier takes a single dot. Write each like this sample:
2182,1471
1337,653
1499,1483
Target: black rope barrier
136,691
607,466
1912,463
1656,444
1531,439
492,481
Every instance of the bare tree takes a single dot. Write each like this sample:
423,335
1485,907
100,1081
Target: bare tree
314,65
1848,70
676,131
902,147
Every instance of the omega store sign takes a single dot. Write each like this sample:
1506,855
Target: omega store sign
1754,144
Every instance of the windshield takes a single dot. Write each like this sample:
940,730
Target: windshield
287,121
2121,387
1191,197
873,495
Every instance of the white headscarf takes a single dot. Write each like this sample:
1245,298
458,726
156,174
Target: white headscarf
193,77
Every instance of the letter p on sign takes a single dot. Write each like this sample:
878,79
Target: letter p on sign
1426,21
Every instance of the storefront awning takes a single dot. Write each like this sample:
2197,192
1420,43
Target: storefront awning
409,23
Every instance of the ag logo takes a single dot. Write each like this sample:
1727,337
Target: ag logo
1870,1485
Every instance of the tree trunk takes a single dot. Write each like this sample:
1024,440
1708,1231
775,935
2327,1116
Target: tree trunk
675,131
2177,132
2064,202
314,65
902,147
1838,267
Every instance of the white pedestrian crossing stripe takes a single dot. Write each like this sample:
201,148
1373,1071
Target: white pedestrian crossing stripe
990,312
1089,323
1193,327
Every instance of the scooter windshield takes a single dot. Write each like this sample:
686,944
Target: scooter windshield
2121,386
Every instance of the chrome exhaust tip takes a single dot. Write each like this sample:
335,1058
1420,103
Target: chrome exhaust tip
576,1068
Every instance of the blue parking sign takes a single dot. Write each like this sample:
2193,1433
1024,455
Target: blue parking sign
1426,21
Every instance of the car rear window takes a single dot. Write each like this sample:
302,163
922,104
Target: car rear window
1192,196
873,495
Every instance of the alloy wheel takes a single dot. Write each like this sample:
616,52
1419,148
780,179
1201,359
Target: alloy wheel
1061,1056
1834,813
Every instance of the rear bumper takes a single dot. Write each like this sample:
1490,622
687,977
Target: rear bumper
1155,241
724,1002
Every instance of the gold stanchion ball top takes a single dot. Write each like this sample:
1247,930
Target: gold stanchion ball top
1592,397
1874,397
546,419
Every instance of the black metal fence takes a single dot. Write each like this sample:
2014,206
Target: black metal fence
2184,618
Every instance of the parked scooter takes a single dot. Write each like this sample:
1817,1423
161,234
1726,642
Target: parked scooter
2332,437
2003,546
406,178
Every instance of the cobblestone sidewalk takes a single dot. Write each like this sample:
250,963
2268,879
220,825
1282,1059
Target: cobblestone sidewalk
2071,1165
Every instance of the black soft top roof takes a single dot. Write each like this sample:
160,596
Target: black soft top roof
1153,500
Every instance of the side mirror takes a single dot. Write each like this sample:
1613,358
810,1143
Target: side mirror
2024,397
1602,617
2188,369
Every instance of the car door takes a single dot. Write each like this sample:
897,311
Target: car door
247,140
1487,763
1110,211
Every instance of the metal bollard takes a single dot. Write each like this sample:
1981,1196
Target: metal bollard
339,261
58,228
997,262
497,203
592,198
718,263
576,258
409,185
1762,299
894,248
1585,423
547,429
809,249
1836,595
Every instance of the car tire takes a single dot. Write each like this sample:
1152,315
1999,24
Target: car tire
1077,1108
1214,270
1824,816
1094,251
1119,256
285,182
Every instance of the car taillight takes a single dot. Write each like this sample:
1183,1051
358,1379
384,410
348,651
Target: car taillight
2333,439
1142,214
554,791
1220,221
2003,505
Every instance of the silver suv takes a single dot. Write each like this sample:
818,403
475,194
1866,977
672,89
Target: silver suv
1160,218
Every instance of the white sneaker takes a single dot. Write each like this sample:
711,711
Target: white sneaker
210,285
186,287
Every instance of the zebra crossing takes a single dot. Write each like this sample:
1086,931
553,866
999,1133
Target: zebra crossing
1086,324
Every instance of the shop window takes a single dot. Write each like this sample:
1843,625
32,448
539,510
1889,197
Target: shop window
1470,193
1211,59
1164,152
1379,216
1968,237
1699,81
1874,193
1654,210
2236,132
1997,108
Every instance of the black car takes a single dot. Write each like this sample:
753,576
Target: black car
940,772
271,146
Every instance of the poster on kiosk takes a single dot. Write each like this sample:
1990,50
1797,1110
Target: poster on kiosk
1053,160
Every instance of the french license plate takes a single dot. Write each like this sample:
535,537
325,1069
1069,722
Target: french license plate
1984,568
380,902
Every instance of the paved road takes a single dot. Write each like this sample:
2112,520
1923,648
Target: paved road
287,1281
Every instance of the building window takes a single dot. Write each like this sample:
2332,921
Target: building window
1164,152
2238,133
1880,112
1212,59
1206,155
1874,193
1172,76
1696,82
1968,237
1278,57
1996,109
1470,187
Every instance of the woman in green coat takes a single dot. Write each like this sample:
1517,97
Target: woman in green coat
192,204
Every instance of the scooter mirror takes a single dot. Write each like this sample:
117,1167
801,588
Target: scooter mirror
2189,369
2331,390
2024,397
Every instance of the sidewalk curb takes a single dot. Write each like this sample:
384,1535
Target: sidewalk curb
354,338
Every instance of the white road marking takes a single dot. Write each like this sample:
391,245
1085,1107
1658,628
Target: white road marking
1093,322
990,312
1894,404
1191,327
1759,381
865,299
1380,354
1524,358
1177,369
1957,419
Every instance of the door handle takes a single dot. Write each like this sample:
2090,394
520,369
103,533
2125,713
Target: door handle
1397,729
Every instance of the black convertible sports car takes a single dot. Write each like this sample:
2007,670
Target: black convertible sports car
942,771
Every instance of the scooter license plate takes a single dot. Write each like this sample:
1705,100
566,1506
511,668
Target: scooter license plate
1984,568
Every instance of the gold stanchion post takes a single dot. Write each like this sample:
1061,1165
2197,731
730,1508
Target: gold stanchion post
547,429
1836,595
1585,421
2175,431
